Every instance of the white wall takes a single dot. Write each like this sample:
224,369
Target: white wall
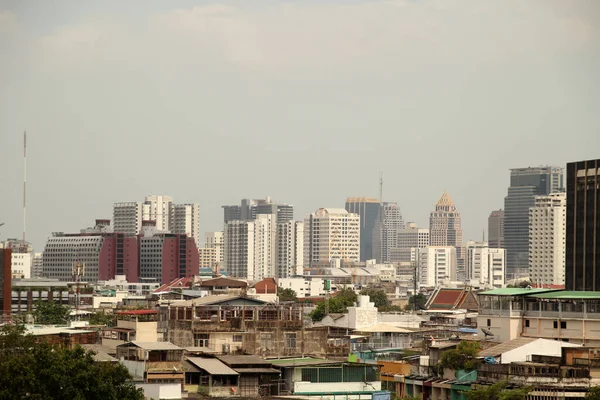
21,265
160,391
542,347
309,387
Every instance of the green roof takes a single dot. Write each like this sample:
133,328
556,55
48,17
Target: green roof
568,294
514,292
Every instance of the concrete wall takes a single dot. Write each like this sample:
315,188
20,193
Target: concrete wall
161,391
540,347
308,387
503,328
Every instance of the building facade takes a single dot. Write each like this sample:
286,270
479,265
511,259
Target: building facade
437,263
127,217
249,208
496,229
485,265
238,248
547,230
331,233
583,226
185,219
385,233
368,211
265,249
158,208
166,256
525,185
410,239
290,249
5,282
214,240
445,229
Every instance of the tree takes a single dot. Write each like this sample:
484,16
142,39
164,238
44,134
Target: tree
463,357
377,296
337,304
286,294
33,370
51,313
103,318
498,391
593,393
420,300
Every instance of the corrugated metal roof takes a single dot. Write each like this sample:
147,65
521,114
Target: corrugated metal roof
212,365
214,299
153,345
243,360
506,346
383,328
568,294
513,292
258,371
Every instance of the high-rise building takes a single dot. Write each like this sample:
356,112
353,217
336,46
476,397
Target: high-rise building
525,185
232,213
485,265
238,248
158,208
207,257
185,219
214,240
385,233
37,266
165,257
22,257
284,212
368,210
265,246
411,237
445,230
583,226
290,249
5,282
496,229
127,217
249,208
547,230
331,233
437,263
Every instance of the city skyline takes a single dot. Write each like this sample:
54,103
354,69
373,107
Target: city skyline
270,98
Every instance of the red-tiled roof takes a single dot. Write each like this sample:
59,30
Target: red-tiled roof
138,312
267,285
446,298
176,283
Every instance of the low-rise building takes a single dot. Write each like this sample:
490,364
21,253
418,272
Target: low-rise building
132,325
154,362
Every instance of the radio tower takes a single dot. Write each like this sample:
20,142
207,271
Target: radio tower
24,245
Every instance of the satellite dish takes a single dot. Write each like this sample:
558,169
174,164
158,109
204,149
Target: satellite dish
486,332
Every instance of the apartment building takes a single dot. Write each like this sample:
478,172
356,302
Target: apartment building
485,265
290,249
437,263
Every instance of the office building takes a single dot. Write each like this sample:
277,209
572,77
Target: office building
547,230
496,229
583,226
249,208
411,237
185,219
158,208
290,249
284,212
436,264
238,249
485,265
368,211
214,240
445,229
331,233
165,257
525,185
385,234
127,217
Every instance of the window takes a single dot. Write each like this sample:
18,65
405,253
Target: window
526,323
237,338
201,339
563,324
265,341
489,322
555,324
290,340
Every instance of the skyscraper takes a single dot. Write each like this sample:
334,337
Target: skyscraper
158,208
249,208
238,248
290,248
214,240
185,218
385,233
368,210
583,226
127,217
445,230
525,184
331,233
547,227
496,229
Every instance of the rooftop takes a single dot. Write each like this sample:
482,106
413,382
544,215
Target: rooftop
243,360
301,362
152,345
506,346
212,365
384,328
568,294
137,312
514,292
214,300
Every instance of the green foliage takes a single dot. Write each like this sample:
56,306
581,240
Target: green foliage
51,313
103,318
463,357
420,299
498,391
43,372
593,393
377,296
286,294
337,304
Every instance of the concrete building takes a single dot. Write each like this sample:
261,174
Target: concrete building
238,248
214,240
583,225
21,265
5,282
445,229
166,256
185,219
331,233
290,249
525,185
158,208
547,230
37,265
485,265
410,239
207,257
437,263
368,211
265,236
127,217
304,286
385,233
249,208
496,229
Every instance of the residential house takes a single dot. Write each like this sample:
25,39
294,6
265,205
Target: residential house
154,362
132,325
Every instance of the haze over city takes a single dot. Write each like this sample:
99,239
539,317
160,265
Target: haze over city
306,102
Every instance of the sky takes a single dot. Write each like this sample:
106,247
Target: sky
304,101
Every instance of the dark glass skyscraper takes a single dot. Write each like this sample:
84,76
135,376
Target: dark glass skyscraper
496,229
582,264
525,184
368,210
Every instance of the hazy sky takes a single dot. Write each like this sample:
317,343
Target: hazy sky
305,101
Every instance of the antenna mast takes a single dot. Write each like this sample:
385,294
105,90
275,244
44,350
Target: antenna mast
24,189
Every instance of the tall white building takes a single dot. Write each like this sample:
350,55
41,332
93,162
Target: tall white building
158,208
265,236
547,235
290,249
37,265
445,229
331,233
185,218
238,248
385,234
437,263
485,265
127,217
214,240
